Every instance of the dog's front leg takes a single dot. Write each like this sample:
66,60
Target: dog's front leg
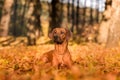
68,61
55,62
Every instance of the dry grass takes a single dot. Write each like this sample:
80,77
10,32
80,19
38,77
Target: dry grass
91,62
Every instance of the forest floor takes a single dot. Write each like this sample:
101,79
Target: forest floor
91,62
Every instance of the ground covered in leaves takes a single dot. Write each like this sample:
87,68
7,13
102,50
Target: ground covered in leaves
91,62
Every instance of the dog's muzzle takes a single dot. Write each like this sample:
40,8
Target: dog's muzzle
58,40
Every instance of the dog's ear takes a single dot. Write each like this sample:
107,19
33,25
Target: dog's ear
50,35
69,34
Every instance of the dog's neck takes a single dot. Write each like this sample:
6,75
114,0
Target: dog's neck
61,48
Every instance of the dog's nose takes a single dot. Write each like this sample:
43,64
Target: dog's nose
56,37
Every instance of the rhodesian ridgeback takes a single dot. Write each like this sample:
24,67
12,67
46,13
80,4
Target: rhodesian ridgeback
60,56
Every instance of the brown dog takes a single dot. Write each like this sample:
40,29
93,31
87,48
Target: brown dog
60,56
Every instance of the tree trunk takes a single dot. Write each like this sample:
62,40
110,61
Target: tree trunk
103,32
6,13
114,25
104,26
30,24
55,14
33,22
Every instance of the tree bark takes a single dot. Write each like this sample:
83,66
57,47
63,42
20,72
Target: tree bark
55,14
114,25
6,13
104,26
103,32
33,22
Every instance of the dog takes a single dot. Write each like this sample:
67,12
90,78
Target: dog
60,56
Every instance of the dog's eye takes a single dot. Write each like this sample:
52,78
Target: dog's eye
55,31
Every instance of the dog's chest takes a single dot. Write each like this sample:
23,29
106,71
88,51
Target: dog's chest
60,58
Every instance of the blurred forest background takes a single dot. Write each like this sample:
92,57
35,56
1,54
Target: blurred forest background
34,19
95,25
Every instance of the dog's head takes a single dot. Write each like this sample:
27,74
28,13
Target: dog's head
59,35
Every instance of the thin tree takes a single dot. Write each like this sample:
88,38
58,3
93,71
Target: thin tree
55,14
33,21
5,19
